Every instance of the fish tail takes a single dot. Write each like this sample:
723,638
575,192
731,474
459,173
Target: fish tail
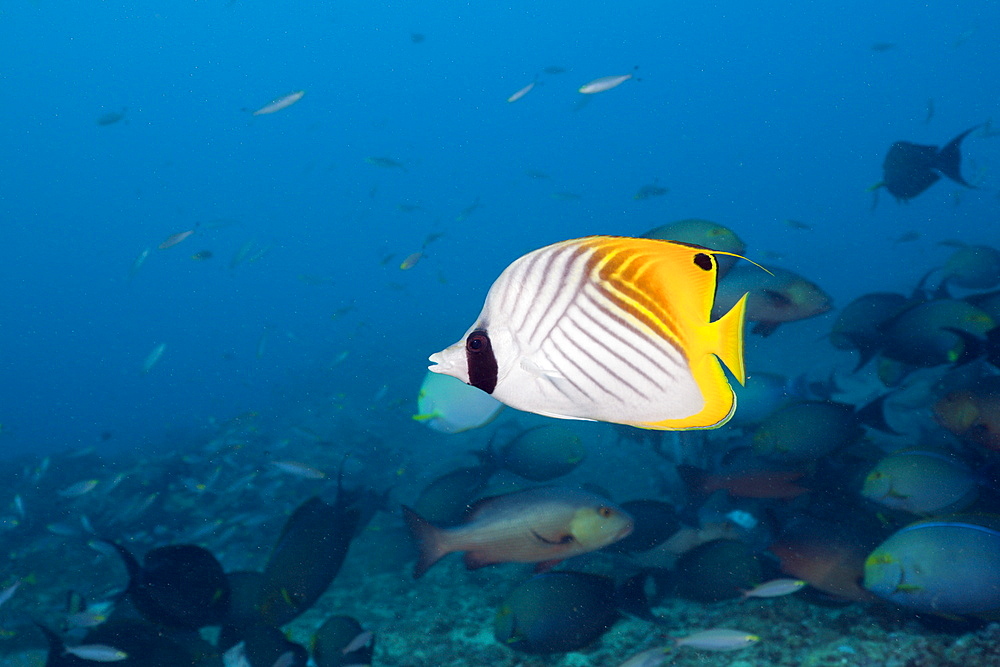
949,158
729,331
428,538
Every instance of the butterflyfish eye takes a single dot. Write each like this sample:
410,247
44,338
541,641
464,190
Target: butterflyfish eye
482,363
703,261
477,341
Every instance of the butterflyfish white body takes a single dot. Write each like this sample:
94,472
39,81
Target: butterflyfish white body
608,329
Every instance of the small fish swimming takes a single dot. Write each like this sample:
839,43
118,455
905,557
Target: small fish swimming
153,358
111,117
138,262
300,470
775,588
650,190
174,239
522,92
385,163
8,592
280,103
411,261
202,255
608,329
719,639
605,83
82,487
97,653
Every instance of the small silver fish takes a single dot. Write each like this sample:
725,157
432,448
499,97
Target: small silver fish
775,588
97,652
280,103
8,592
138,262
720,639
358,642
298,469
604,83
81,488
654,657
153,357
522,92
174,239
86,619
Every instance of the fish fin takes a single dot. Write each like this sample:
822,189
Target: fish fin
428,538
546,565
476,559
765,329
631,599
56,645
426,417
872,415
729,348
949,159
875,187
536,370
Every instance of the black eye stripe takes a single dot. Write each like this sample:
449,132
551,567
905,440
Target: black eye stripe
481,361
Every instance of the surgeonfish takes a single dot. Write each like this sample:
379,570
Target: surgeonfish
774,297
342,641
946,566
556,612
281,103
922,481
705,233
607,329
539,525
448,405
542,453
909,169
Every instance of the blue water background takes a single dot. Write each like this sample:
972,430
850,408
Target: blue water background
751,113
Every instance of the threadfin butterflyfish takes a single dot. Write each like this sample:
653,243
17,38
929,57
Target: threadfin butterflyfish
610,329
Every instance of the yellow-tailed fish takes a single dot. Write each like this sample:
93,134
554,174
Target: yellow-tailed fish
411,261
608,329
280,103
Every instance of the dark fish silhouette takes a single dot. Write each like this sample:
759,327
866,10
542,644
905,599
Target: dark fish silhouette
179,586
909,168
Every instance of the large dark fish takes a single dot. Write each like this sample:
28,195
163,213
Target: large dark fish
179,586
910,168
307,557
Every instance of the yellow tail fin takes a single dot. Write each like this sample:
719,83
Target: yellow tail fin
729,330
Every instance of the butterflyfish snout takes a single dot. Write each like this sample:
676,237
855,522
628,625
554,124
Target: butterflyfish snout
608,329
